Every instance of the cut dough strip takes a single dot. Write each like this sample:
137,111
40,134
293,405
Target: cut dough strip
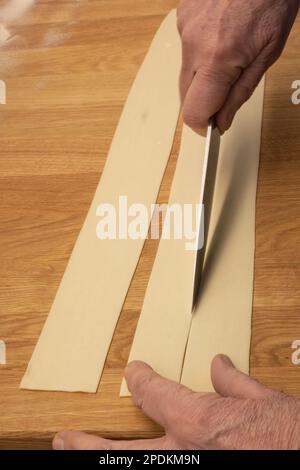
73,345
222,320
164,323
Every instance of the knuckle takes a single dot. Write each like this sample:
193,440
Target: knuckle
225,62
246,90
188,37
180,23
192,118
221,50
220,72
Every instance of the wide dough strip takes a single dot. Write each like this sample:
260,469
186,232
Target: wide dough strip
73,345
222,320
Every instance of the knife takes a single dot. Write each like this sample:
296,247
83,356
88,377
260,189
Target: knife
209,171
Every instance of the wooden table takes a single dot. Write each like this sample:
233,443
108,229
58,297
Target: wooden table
68,69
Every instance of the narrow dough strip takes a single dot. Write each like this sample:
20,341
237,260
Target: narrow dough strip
73,345
163,326
222,321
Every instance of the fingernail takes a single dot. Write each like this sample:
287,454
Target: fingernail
135,363
229,120
128,367
202,131
58,443
226,360
127,370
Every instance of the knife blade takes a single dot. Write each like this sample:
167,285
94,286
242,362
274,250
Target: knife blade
209,171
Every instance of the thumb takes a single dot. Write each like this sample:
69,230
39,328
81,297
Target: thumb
230,382
164,401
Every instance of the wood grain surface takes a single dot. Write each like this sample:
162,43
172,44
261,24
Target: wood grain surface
68,67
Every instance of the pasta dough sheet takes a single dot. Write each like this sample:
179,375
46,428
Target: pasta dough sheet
222,320
73,345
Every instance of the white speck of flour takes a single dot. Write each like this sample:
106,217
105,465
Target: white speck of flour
54,37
